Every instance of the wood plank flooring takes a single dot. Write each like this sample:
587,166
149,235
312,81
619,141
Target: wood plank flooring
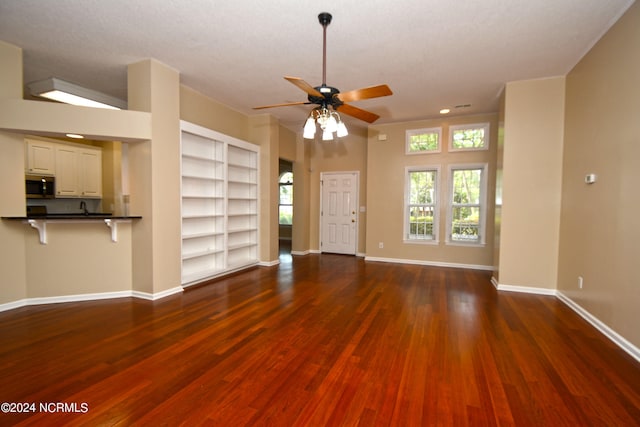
325,340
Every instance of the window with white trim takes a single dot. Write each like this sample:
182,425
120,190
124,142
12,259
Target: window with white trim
285,207
422,141
421,204
467,204
469,137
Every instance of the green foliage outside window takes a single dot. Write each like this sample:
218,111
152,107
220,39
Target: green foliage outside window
468,138
421,204
424,142
466,205
285,209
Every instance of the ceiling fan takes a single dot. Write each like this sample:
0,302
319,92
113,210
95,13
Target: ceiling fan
327,96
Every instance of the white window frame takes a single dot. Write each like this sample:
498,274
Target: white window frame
485,126
436,205
482,226
411,132
280,184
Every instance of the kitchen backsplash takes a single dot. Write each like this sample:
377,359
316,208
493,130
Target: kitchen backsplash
67,205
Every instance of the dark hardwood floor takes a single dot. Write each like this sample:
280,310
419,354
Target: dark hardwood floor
321,340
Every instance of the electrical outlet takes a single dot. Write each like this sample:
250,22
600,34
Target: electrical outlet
580,282
380,245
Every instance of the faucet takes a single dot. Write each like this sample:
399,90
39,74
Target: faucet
83,206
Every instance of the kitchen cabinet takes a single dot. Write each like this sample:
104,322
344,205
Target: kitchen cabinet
90,172
67,172
219,203
78,172
40,157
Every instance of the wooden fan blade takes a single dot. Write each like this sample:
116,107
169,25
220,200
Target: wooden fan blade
365,93
358,113
286,104
304,86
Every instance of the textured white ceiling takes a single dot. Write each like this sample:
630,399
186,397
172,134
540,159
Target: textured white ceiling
432,53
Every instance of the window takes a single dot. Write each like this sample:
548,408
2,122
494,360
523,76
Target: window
466,222
421,205
420,141
285,208
469,137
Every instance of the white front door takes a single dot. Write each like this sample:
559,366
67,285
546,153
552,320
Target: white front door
339,217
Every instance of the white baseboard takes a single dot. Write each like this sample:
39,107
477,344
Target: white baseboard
300,253
14,304
430,263
617,339
523,289
157,295
88,297
269,263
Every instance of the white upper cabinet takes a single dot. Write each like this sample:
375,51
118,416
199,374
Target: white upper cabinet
90,172
40,157
76,167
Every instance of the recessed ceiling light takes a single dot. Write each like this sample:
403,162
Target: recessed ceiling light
445,111
75,135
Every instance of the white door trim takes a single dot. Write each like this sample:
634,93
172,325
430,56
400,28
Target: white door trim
324,175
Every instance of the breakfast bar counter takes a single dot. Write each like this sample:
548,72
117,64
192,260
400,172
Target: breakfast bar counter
39,222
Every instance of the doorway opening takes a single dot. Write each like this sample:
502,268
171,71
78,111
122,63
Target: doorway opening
285,210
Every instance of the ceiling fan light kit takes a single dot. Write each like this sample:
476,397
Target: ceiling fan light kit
327,98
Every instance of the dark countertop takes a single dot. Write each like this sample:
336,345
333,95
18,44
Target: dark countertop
67,216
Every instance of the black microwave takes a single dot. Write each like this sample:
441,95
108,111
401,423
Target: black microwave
40,186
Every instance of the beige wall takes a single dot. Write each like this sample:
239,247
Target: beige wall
300,239
497,232
599,235
344,155
78,259
209,113
531,182
13,281
386,167
155,178
264,131
27,268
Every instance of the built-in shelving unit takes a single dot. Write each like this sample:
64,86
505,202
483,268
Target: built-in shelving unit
219,203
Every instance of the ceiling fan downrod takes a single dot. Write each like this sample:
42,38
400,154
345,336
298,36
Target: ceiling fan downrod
325,20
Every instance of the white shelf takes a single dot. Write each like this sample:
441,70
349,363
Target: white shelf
200,235
200,196
220,196
202,254
199,157
202,178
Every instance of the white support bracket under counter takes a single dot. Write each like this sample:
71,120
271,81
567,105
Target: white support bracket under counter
113,225
40,224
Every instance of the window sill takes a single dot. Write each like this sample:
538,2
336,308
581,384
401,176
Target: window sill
421,242
467,244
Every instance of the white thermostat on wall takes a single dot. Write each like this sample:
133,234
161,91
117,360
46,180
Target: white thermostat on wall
590,178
